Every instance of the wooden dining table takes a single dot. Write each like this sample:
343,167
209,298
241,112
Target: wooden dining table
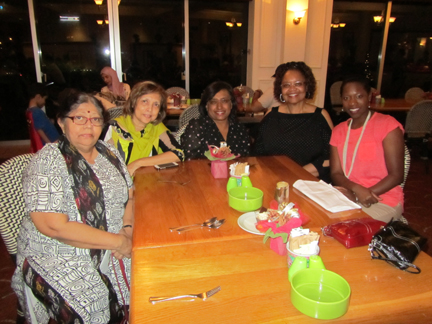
392,105
253,278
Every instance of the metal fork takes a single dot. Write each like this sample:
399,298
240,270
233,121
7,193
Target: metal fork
203,296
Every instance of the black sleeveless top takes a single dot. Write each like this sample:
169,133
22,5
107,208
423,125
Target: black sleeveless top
304,138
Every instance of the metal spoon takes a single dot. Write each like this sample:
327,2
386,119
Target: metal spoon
218,223
208,222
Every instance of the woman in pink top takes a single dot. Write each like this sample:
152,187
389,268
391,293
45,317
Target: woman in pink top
367,154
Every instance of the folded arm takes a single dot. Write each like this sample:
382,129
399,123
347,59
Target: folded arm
393,145
58,226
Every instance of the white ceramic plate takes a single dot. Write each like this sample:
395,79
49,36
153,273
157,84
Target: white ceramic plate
247,222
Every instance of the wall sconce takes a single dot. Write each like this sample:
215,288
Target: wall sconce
378,19
98,2
298,7
99,22
342,25
392,19
298,15
106,21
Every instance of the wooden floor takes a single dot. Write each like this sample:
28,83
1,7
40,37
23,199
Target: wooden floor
418,210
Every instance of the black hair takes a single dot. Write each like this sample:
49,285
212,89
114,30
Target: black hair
72,99
37,89
364,82
210,91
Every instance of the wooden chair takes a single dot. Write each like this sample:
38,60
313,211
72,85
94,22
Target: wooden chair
418,128
12,206
35,140
414,95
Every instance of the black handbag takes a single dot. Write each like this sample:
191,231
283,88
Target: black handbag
397,244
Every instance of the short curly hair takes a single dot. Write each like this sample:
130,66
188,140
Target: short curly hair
143,88
303,69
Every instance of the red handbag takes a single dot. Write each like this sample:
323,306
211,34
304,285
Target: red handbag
354,232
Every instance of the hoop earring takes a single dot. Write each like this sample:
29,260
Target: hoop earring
281,98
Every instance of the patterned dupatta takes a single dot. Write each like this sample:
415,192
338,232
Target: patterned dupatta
87,188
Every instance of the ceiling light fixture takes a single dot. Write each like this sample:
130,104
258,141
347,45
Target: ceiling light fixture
233,23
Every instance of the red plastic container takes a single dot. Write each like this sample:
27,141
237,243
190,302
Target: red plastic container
353,232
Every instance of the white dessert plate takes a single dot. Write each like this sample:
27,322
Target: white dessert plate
247,222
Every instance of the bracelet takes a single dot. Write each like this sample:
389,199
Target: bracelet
357,200
124,226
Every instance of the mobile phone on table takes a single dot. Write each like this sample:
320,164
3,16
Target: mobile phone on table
166,165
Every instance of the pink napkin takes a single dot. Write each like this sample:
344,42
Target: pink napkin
277,238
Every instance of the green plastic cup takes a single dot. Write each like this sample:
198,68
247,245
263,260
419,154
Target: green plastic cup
320,293
246,181
245,199
232,183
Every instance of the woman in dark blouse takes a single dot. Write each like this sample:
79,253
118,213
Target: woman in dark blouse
217,123
296,128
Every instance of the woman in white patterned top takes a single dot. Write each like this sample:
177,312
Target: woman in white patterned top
75,240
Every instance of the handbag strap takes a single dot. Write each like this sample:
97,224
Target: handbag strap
394,262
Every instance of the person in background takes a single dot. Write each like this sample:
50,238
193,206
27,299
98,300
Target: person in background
217,123
367,154
297,128
139,135
75,239
114,89
263,101
45,128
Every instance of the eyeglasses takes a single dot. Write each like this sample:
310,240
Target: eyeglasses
81,120
222,101
297,84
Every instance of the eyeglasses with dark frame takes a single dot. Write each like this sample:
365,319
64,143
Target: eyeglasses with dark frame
81,120
297,84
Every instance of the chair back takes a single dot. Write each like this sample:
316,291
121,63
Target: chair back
35,140
419,120
12,205
414,95
181,91
335,96
188,114
115,112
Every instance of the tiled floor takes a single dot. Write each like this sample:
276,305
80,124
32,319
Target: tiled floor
418,210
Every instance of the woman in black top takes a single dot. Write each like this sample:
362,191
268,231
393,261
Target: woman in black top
296,128
217,123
